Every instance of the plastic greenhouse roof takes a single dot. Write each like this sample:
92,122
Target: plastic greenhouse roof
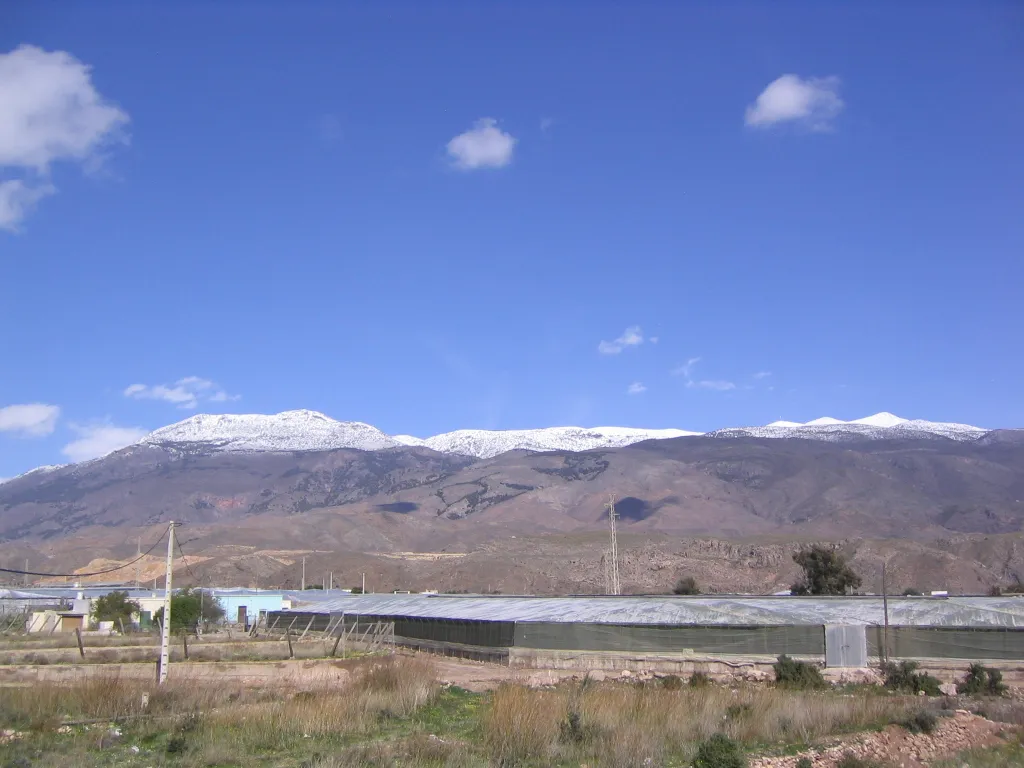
738,611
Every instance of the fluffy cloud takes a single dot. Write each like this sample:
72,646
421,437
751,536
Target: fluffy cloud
485,145
636,388
95,440
631,337
813,101
31,420
762,374
686,370
184,393
49,111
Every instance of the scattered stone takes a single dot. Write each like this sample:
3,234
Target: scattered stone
948,689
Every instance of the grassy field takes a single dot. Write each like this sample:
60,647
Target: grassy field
393,712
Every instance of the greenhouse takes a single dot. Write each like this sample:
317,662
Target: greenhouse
918,627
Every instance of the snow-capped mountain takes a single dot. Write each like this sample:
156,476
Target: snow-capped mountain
881,426
484,443
287,431
313,431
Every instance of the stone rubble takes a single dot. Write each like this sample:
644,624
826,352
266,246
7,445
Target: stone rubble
898,747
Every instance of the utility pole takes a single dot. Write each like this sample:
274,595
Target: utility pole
330,584
165,635
303,573
26,568
616,588
363,587
138,568
885,610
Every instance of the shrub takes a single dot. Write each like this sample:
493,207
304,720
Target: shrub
115,607
804,762
981,681
671,682
903,677
921,721
687,585
790,673
699,680
719,752
825,572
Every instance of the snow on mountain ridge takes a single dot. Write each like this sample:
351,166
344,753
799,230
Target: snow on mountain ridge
305,430
301,430
485,444
880,426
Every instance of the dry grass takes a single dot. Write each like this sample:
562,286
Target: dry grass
620,725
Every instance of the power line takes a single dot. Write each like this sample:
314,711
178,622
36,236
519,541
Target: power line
185,560
93,573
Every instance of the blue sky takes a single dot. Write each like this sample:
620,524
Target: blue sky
430,216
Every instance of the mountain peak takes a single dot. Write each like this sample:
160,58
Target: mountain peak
300,430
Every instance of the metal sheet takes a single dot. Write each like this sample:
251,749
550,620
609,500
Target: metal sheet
846,646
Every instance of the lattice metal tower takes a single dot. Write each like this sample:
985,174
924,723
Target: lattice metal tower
614,554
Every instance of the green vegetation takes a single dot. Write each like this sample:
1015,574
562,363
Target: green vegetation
922,721
687,585
981,681
804,762
115,607
719,752
826,572
904,677
189,608
392,711
797,675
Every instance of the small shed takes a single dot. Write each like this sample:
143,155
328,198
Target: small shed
69,621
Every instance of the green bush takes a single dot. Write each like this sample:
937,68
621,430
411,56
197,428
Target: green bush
804,762
700,680
904,677
850,760
719,752
687,585
921,721
981,681
671,682
790,673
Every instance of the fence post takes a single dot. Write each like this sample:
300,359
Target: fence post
184,642
78,636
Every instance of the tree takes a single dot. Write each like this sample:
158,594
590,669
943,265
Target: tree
826,572
115,607
687,585
188,607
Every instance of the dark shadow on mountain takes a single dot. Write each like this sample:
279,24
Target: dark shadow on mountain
633,510
401,507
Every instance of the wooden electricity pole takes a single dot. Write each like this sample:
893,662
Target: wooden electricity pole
885,612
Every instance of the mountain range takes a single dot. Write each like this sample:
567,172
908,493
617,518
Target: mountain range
254,488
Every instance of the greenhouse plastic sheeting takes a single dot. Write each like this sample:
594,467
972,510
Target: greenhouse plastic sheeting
949,643
743,641
673,611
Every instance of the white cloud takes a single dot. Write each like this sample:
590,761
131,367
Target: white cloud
30,420
714,384
483,146
653,339
636,388
546,123
17,199
686,371
185,393
762,374
95,440
812,101
49,111
631,337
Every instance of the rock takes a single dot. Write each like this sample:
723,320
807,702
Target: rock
948,689
598,676
626,673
